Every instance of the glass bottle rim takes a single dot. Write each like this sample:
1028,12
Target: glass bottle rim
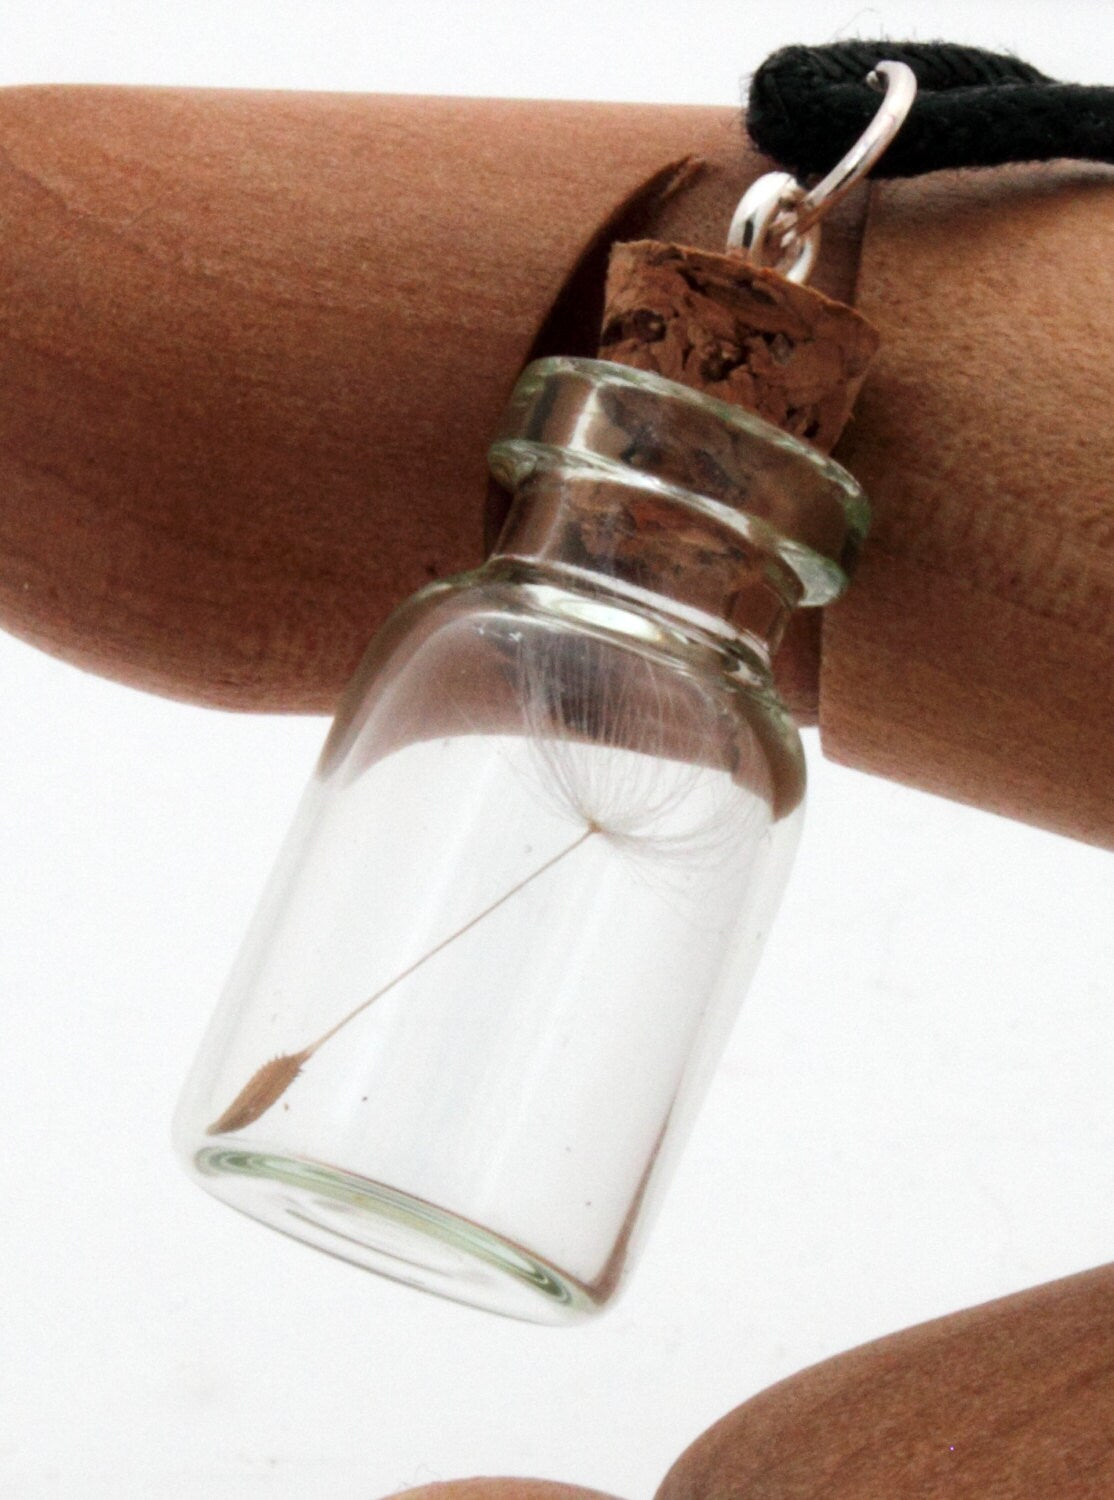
822,512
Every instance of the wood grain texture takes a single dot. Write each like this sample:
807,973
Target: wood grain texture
1013,1400
253,348
975,655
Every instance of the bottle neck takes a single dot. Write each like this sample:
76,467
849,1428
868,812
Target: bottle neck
652,550
638,487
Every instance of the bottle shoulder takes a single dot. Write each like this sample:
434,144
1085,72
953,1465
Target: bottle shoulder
520,653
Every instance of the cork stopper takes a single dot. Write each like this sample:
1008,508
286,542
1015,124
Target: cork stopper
738,332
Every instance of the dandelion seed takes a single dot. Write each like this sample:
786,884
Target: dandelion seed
608,733
271,1081
262,1089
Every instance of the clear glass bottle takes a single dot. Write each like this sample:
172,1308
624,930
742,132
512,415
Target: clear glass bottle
525,889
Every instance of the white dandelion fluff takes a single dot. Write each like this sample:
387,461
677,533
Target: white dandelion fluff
618,745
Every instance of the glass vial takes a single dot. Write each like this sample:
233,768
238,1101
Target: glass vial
525,889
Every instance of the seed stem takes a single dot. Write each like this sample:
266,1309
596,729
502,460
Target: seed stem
452,937
270,1082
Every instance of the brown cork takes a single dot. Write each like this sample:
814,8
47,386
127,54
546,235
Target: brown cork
750,337
738,332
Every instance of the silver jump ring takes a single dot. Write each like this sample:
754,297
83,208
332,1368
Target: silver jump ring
764,227
901,90
778,217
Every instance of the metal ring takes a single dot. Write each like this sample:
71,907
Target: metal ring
777,221
901,90
763,227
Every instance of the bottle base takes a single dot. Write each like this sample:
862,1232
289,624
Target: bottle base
403,1238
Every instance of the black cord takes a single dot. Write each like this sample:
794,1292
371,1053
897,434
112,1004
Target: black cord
808,105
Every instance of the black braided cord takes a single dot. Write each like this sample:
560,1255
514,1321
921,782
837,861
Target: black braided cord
808,105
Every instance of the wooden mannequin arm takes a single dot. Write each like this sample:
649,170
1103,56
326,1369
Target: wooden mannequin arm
254,346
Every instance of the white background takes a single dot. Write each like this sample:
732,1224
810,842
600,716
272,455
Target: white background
914,1114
